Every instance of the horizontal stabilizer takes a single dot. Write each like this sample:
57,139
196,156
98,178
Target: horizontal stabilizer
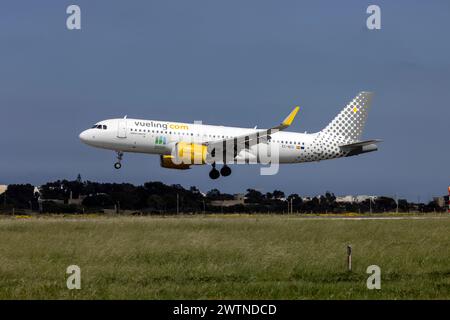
355,145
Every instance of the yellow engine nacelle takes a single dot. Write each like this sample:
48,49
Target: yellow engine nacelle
190,153
167,162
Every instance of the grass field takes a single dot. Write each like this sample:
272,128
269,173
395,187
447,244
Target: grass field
230,257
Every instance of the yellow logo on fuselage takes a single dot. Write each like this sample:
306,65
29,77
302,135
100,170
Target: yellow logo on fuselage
178,126
162,125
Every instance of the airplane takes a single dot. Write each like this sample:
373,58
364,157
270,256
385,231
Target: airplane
182,145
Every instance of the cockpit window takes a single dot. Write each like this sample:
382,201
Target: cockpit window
99,126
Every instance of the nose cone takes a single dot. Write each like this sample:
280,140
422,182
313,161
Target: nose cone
84,136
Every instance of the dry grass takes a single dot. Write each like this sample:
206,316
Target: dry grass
275,257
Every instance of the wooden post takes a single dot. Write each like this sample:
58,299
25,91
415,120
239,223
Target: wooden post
448,199
349,257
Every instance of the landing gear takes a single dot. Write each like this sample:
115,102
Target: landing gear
214,173
225,171
118,164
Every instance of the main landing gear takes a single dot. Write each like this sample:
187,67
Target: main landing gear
225,171
118,164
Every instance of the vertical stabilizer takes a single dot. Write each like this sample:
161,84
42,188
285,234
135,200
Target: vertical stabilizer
348,125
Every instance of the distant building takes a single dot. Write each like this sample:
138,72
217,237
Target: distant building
354,199
363,198
345,199
77,201
237,199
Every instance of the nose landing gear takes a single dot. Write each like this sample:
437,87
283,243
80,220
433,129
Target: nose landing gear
118,164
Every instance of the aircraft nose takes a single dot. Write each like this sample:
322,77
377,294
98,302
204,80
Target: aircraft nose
84,136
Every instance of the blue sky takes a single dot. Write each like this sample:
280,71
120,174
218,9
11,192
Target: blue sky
240,63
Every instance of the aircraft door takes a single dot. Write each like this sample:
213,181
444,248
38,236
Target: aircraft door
122,128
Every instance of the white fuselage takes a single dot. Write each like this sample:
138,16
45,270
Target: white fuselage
181,145
160,137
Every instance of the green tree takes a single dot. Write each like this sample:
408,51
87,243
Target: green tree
254,196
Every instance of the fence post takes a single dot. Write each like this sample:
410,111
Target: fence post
349,257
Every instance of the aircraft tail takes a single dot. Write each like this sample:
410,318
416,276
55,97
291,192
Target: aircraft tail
348,125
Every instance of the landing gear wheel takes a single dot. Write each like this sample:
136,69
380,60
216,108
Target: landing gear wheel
118,164
214,174
225,171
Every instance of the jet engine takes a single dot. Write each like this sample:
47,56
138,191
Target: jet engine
167,162
190,153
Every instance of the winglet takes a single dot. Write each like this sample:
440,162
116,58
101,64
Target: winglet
290,118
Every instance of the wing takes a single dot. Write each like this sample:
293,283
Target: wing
232,146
